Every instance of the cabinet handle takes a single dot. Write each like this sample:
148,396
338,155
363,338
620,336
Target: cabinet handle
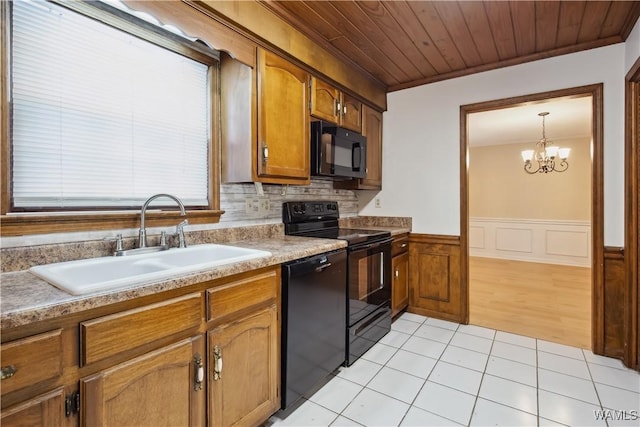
217,363
404,245
199,372
344,110
8,372
337,103
397,273
265,153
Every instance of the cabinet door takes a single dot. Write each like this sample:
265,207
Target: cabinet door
157,388
400,284
372,129
46,410
283,120
351,113
325,101
435,288
244,389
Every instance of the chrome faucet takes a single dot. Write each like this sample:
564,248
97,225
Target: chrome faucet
142,235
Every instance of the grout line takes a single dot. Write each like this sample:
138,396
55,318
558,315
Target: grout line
593,383
537,385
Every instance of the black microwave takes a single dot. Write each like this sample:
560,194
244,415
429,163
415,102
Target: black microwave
337,152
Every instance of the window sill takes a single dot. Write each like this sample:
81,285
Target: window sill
25,224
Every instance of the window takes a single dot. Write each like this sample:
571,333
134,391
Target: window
102,119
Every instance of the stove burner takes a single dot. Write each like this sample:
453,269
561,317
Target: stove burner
320,219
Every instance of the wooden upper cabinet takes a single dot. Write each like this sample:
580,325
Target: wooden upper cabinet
330,104
372,130
351,113
283,121
325,101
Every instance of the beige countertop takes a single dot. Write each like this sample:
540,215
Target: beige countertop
27,299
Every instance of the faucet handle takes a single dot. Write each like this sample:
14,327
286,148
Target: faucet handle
163,238
180,231
119,243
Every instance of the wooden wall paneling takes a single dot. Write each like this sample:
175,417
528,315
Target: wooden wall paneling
435,288
612,319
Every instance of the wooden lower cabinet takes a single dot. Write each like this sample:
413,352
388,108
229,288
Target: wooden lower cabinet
152,362
244,370
400,284
435,285
46,410
155,389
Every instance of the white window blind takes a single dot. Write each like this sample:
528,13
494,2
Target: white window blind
101,118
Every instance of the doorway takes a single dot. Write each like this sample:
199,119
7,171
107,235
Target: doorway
518,238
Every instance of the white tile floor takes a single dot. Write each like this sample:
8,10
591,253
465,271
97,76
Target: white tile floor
429,372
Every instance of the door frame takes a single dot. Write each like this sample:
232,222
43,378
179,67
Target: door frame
632,215
597,194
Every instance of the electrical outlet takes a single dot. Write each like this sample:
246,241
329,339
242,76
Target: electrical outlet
252,206
378,204
264,206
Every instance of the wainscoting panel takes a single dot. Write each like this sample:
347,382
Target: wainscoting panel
611,313
514,239
435,286
546,241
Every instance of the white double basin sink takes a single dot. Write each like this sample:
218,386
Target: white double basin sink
106,273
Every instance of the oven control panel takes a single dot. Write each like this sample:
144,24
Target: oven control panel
305,210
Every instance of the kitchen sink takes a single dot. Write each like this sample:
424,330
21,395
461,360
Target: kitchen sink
99,274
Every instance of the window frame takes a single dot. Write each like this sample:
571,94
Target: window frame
50,221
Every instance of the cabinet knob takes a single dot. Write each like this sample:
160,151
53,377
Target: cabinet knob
217,363
265,153
8,372
404,245
397,273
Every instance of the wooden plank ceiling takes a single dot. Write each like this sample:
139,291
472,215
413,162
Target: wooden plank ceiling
409,43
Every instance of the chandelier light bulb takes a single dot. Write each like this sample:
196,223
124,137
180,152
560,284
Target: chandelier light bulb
563,153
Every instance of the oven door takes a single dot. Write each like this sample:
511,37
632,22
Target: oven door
369,279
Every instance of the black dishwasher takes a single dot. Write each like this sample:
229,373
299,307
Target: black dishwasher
314,311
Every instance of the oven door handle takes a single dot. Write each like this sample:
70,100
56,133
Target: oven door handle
369,323
371,245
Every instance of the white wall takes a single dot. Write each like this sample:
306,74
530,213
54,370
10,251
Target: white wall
421,137
632,47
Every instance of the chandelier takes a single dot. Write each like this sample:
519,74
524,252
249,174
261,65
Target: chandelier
545,155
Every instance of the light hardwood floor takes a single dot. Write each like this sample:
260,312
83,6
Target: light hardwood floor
546,301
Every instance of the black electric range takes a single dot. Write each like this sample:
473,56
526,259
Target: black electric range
368,293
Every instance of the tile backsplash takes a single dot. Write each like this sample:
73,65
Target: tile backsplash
233,200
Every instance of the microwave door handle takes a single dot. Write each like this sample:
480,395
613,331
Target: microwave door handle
356,157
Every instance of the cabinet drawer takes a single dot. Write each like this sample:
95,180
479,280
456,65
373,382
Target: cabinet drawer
31,360
399,245
241,294
109,335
